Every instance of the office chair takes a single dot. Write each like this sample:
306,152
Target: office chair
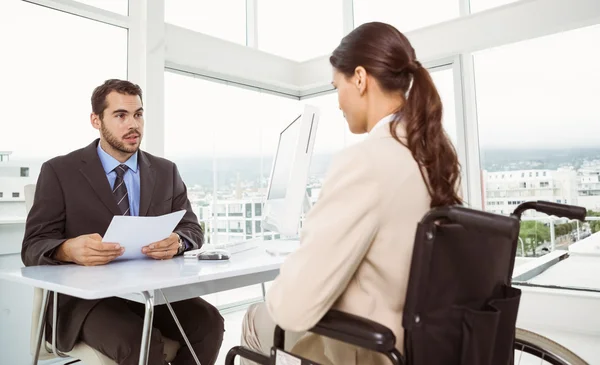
81,351
460,306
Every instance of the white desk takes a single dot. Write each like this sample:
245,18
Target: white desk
177,278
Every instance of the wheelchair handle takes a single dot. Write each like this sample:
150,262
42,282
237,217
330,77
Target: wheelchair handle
550,208
473,219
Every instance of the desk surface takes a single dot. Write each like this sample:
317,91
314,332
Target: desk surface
124,277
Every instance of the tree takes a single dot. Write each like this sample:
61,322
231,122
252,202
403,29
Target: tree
564,229
594,225
533,234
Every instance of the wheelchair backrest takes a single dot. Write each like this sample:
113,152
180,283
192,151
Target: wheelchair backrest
460,306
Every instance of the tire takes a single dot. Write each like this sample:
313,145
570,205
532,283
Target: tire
544,348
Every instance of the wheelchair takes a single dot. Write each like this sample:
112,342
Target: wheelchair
460,305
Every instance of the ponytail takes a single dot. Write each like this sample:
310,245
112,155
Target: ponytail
427,140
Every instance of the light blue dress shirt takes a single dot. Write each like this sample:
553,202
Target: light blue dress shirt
131,177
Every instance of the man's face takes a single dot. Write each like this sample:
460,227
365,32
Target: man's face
122,123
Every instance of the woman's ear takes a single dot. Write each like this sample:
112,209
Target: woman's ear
360,78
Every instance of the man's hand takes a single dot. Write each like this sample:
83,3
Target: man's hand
88,250
164,249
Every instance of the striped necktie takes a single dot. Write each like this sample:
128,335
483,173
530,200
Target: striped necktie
120,190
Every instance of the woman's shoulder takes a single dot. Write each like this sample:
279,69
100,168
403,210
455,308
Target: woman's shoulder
376,152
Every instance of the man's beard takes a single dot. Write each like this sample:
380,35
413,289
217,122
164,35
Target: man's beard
114,142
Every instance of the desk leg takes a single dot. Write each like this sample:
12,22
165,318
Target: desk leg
187,342
40,326
147,331
55,326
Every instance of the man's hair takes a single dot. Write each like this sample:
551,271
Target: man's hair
125,87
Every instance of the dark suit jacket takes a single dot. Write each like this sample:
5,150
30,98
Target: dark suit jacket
73,197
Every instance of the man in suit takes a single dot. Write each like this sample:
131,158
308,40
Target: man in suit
77,196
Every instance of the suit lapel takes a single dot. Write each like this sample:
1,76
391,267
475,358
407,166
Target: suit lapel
93,172
147,181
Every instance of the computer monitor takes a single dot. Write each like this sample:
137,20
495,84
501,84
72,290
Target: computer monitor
289,175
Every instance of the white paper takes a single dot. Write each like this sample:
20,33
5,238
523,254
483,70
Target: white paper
133,232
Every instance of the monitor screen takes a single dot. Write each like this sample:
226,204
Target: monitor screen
284,159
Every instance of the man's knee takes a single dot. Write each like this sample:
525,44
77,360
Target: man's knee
207,324
216,327
132,349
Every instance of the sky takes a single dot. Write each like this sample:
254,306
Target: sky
539,93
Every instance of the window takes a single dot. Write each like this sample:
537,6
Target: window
24,171
15,195
258,209
116,6
529,135
229,141
1,194
64,81
225,19
299,30
480,5
405,15
444,82
257,227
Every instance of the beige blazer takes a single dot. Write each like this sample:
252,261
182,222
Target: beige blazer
356,248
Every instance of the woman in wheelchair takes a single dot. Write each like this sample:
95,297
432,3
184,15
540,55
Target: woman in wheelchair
357,241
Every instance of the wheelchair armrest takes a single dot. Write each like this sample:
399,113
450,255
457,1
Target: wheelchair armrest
356,330
246,354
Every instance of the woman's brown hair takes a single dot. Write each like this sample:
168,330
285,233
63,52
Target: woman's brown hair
387,55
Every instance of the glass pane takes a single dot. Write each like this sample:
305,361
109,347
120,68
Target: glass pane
189,139
48,77
116,6
444,82
299,30
233,147
237,153
405,15
538,131
480,5
225,19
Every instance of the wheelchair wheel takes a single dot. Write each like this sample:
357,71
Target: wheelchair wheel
541,348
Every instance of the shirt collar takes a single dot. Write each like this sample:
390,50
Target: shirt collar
109,163
385,120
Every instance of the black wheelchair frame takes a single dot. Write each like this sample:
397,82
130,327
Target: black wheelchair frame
488,238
